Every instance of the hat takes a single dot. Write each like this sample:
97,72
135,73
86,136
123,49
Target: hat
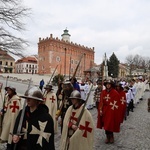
140,77
109,82
33,93
119,84
75,95
12,88
126,88
99,81
48,86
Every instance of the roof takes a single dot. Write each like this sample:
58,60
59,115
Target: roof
5,55
28,59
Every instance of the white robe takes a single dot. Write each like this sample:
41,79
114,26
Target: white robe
81,139
12,108
146,85
137,94
83,91
91,97
141,86
51,103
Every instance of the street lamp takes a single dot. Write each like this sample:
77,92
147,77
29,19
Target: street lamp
65,63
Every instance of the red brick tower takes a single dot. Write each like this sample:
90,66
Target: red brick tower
53,51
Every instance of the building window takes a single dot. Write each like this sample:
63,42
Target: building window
11,63
76,62
6,63
26,65
72,61
58,59
0,62
42,67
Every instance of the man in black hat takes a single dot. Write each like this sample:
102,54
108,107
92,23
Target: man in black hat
11,108
37,126
51,102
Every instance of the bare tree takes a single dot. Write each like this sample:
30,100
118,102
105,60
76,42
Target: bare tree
130,62
137,61
12,13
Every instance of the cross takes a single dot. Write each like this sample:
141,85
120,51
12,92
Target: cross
73,116
14,106
85,128
107,97
52,99
66,103
114,105
122,100
41,132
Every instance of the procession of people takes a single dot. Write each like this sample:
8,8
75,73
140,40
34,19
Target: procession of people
33,126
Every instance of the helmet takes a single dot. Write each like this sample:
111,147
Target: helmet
12,88
67,88
48,86
33,93
75,95
109,81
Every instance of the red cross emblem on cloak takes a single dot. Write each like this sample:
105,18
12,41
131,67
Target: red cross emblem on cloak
14,106
73,116
52,99
86,128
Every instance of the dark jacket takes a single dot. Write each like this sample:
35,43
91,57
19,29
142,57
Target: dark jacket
34,123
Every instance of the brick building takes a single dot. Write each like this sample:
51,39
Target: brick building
54,51
27,65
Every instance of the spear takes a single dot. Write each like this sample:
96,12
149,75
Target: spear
22,116
83,108
51,78
74,74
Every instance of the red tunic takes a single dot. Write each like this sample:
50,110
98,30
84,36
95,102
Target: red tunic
122,105
109,104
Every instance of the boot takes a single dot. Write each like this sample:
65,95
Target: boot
111,139
107,139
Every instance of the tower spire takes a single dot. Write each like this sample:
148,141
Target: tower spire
66,35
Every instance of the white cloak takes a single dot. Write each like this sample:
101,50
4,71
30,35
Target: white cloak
51,103
82,139
12,108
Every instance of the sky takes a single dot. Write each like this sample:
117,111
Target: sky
119,26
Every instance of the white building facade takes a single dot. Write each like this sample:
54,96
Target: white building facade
27,65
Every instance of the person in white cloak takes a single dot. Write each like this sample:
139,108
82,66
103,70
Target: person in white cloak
51,102
142,87
91,97
77,134
147,88
83,89
10,111
137,94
